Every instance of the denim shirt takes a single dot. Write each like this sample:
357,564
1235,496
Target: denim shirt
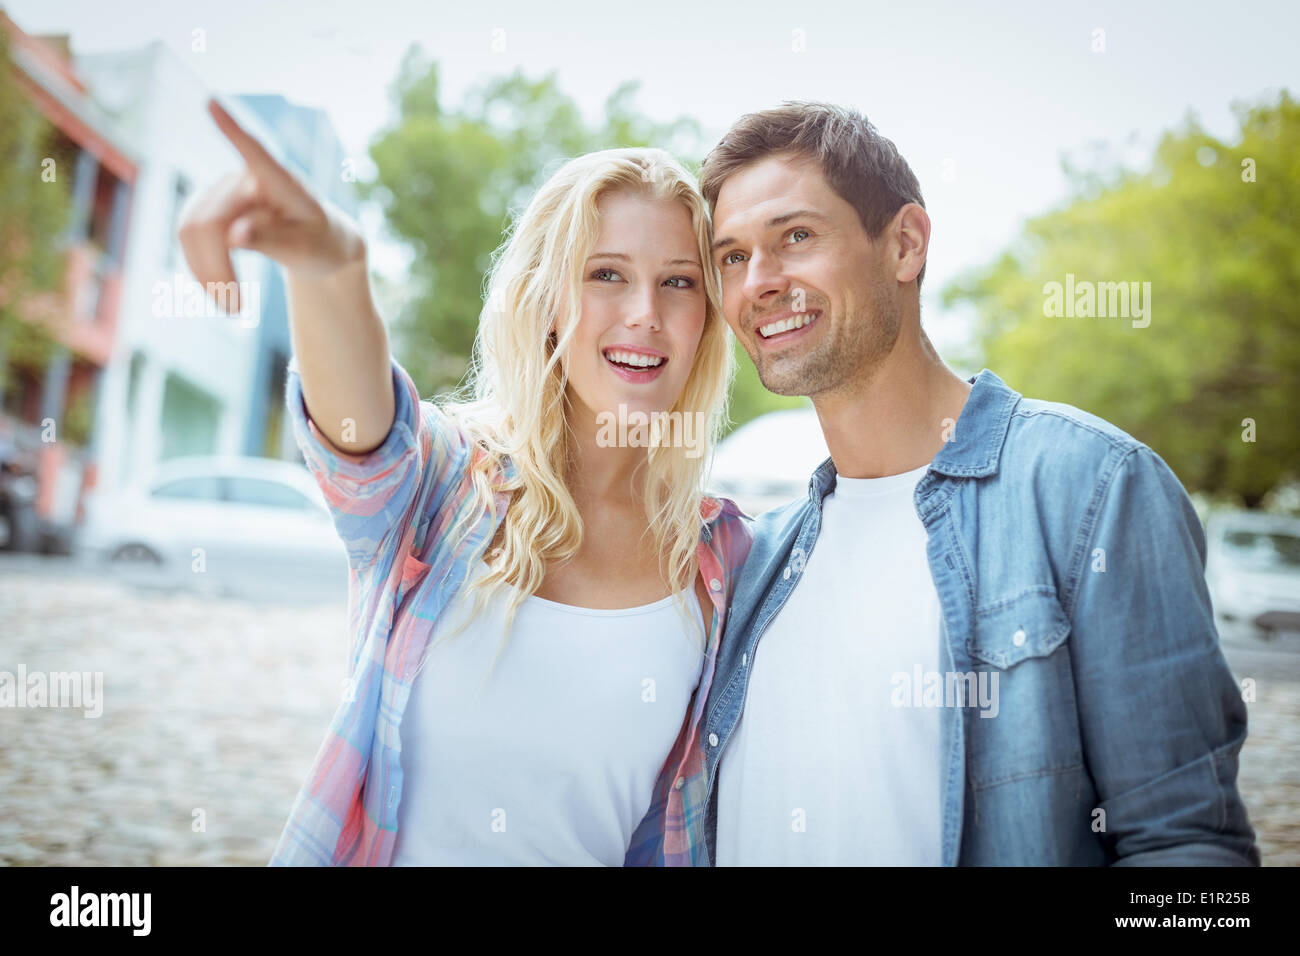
1070,564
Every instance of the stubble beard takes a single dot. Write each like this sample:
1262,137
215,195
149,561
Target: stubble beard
846,357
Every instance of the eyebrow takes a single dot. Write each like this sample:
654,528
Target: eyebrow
774,221
624,258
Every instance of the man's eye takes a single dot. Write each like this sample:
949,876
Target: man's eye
728,260
688,283
800,232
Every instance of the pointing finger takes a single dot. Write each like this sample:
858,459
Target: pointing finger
281,183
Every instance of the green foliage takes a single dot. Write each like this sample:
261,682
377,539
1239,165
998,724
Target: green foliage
79,418
33,215
1222,256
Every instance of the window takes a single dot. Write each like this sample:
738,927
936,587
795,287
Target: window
201,488
190,419
99,227
1264,549
270,494
180,192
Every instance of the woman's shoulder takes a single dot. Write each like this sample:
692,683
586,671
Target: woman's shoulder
461,427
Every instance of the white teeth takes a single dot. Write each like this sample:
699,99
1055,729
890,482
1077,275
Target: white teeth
634,358
785,325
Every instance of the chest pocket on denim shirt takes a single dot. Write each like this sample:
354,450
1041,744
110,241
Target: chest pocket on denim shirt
1026,724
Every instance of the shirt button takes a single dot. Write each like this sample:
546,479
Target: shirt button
680,782
1018,638
786,575
715,584
744,660
713,740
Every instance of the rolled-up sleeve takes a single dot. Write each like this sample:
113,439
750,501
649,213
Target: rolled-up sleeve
1161,715
374,498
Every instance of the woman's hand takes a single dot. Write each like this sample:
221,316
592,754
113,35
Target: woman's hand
266,208
337,336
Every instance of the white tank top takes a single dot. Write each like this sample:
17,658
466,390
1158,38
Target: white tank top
551,761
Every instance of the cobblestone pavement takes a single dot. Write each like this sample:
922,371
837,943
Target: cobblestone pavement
1269,772
218,704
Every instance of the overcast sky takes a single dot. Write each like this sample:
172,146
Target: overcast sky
982,104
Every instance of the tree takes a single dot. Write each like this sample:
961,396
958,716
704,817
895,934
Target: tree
35,201
1207,377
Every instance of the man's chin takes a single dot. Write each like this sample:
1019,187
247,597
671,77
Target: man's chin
787,381
783,386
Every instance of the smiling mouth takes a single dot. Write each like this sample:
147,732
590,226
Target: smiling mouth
633,361
791,324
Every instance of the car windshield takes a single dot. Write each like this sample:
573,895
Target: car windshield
1264,549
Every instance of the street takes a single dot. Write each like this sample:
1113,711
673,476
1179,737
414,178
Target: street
211,704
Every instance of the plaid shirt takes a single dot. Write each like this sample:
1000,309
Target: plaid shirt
394,508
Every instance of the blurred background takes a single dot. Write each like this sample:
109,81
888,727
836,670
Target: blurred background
157,526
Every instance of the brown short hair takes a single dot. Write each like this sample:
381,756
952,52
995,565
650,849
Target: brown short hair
863,167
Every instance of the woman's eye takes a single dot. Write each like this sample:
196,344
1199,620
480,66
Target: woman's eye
599,273
687,283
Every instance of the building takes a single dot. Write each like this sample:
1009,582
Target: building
166,373
46,411
187,380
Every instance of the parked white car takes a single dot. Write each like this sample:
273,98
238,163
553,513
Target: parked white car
227,524
1253,573
769,461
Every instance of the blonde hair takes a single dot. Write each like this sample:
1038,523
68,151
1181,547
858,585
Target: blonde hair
516,384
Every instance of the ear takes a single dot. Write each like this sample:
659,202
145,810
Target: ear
912,227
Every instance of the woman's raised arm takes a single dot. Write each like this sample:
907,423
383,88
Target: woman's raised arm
336,333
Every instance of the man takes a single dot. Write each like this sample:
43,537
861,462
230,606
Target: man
984,637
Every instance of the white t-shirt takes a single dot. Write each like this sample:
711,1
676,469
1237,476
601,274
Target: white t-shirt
823,768
553,760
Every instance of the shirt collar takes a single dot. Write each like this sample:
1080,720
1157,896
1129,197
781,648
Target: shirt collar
711,509
977,439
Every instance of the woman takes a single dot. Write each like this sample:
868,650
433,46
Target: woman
525,646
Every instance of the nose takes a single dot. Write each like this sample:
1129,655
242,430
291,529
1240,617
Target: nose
643,310
763,278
